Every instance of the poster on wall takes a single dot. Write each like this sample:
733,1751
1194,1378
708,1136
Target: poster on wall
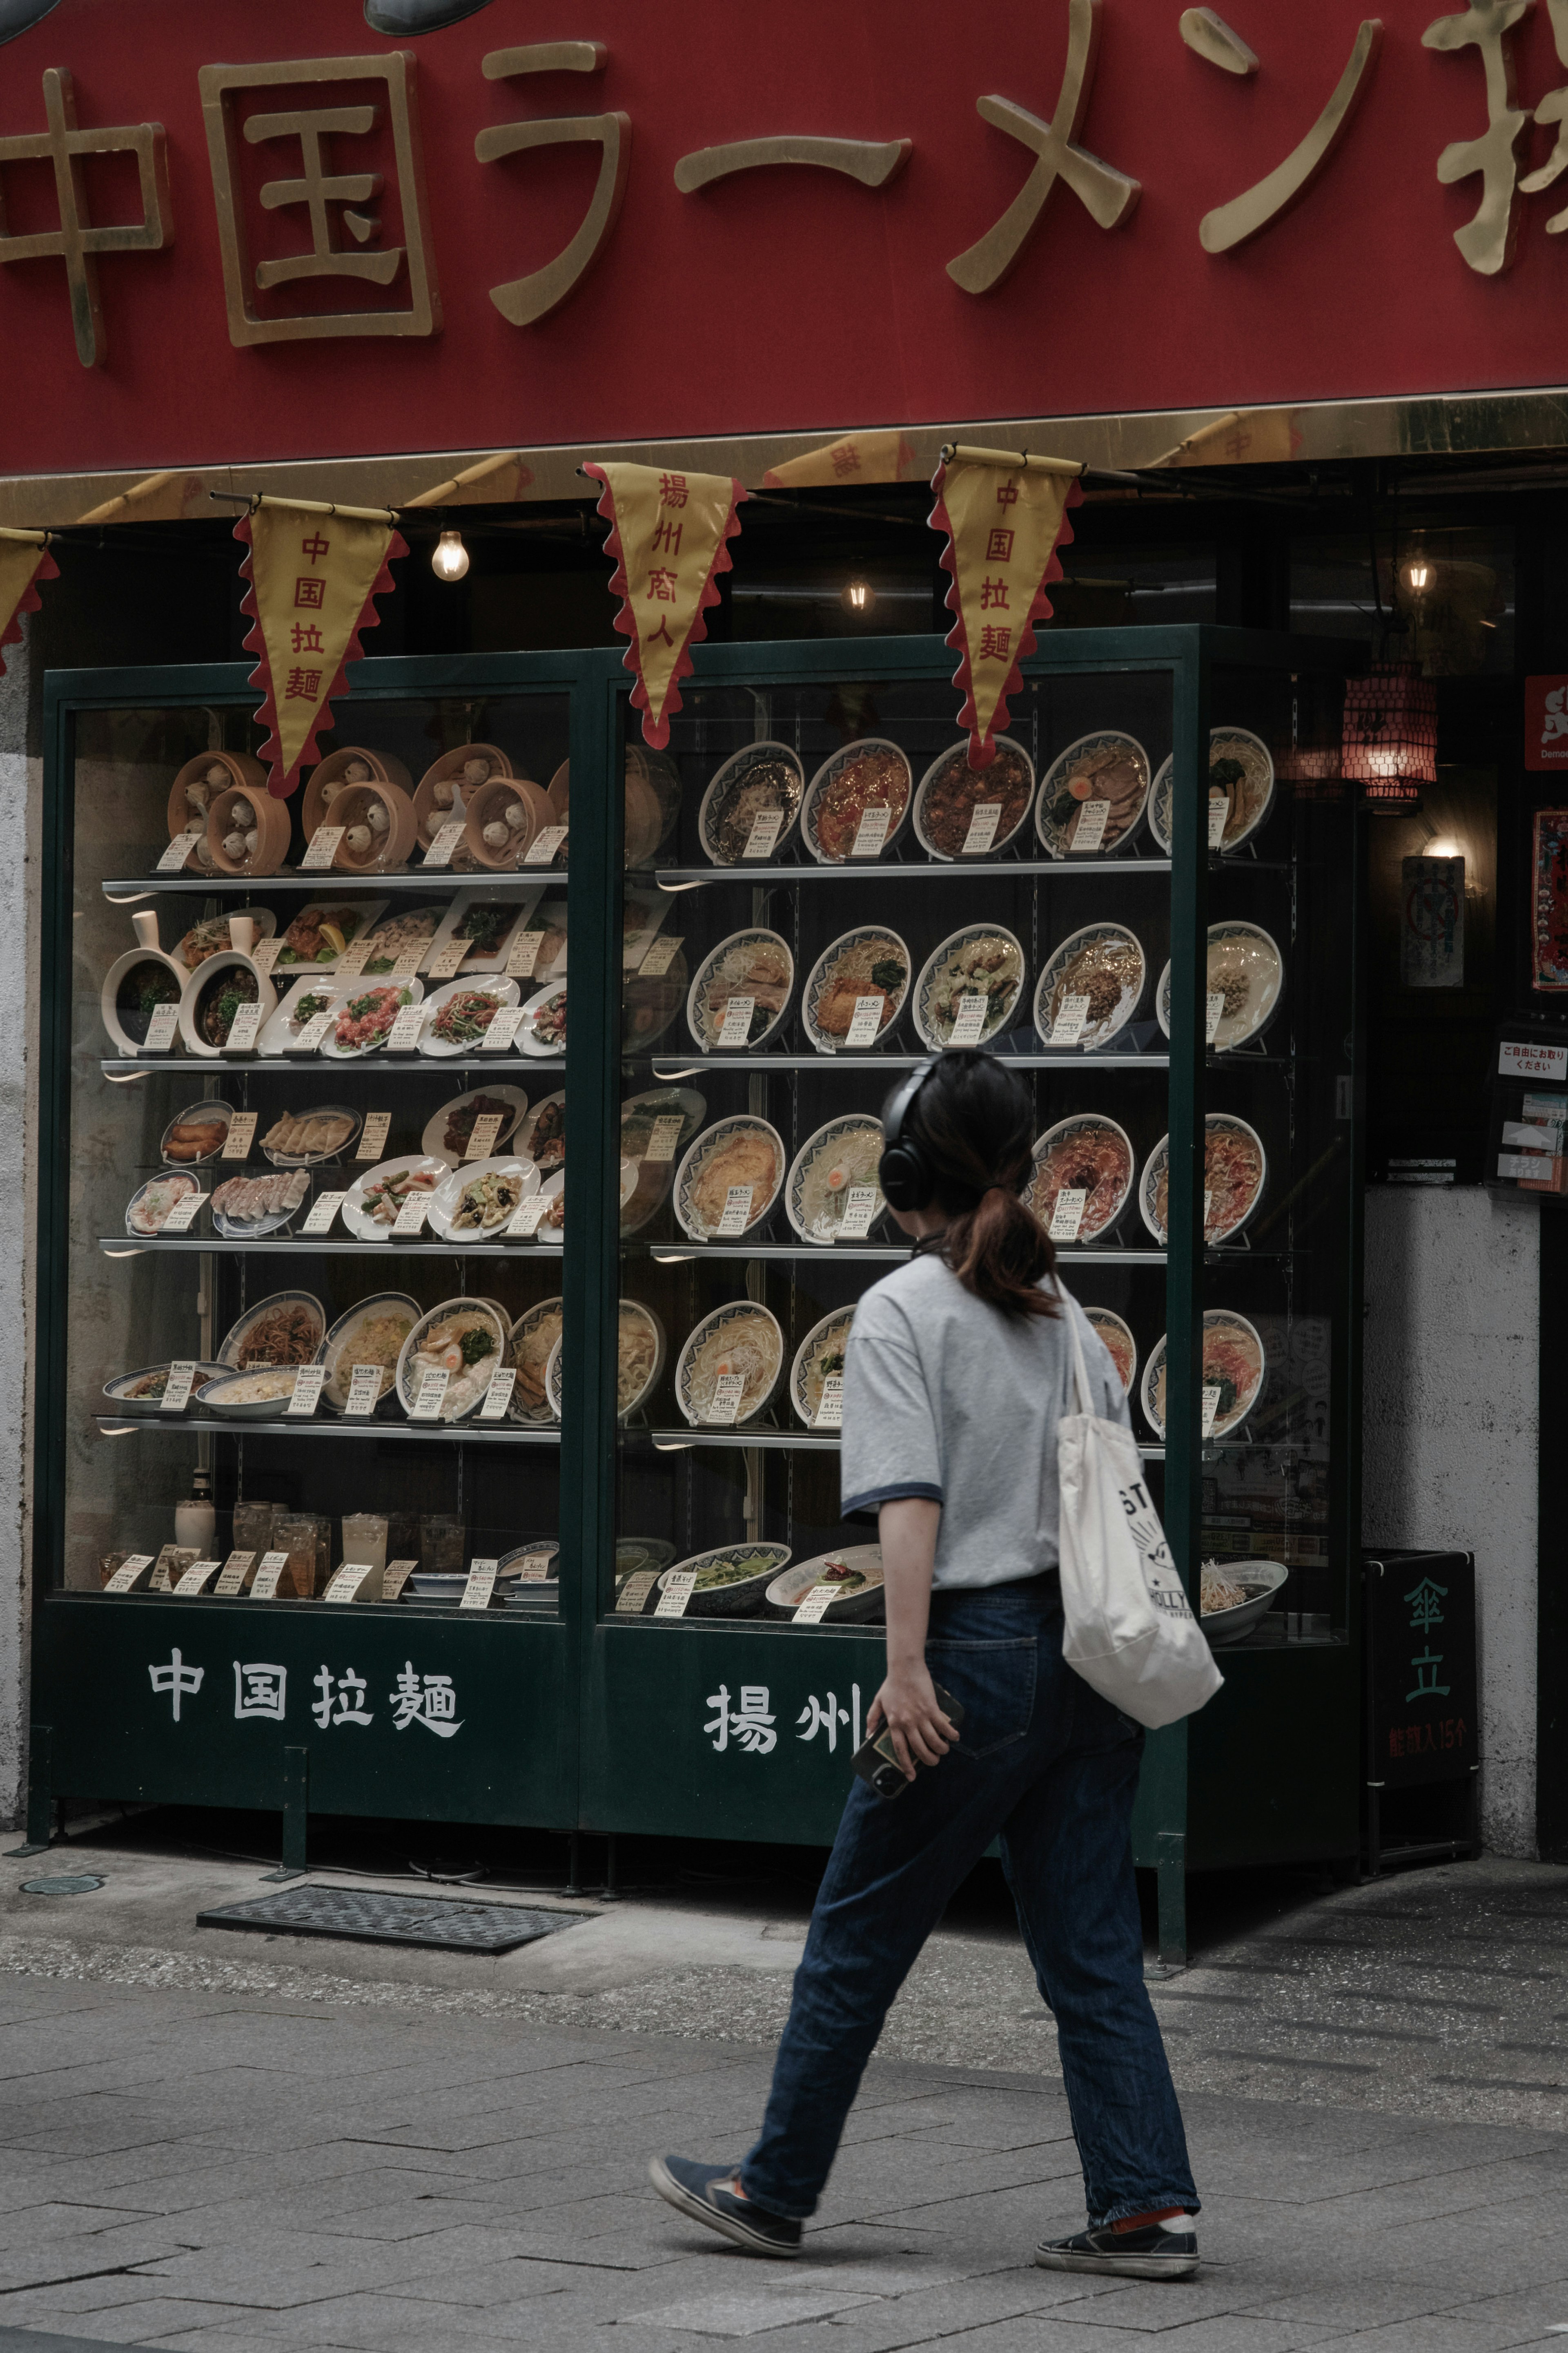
1432,924
1549,888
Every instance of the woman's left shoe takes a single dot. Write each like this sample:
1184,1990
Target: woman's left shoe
1153,2253
711,2194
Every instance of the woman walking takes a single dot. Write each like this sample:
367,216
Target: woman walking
958,1369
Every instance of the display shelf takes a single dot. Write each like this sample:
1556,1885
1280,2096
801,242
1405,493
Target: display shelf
674,879
669,1068
260,1065
326,1245
825,1254
768,1437
462,1433
122,890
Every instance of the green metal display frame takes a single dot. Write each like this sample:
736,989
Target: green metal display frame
575,1718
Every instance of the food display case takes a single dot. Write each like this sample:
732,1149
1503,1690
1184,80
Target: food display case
398,1461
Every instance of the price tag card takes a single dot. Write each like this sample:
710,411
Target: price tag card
403,1035
1220,809
736,1028
678,1590
829,1414
323,1210
406,962
985,818
1090,830
479,1593
525,1218
632,1598
523,954
1211,1407
308,1041
503,1031
183,1214
241,1136
1208,1197
242,1029
394,1576
871,833
541,849
498,1397
866,1021
440,850
725,1401
534,1568
131,1574
353,1581
426,1406
354,959
162,1577
861,1204
235,1573
161,1029
322,848
307,1394
764,833
1068,1026
364,1392
177,1395
660,956
481,1141
175,857
664,1142
736,1214
1214,1009
1067,1213
446,964
373,1134
814,1607
197,1578
410,1218
266,952
970,1020
264,1584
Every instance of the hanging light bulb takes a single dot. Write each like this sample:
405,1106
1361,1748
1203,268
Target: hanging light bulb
450,559
1419,576
857,595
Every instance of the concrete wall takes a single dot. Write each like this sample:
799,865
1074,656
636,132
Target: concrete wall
1451,1435
21,801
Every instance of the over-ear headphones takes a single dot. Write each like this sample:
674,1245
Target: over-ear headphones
904,1173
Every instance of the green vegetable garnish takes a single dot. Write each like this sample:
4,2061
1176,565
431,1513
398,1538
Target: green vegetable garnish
1225,772
887,973
476,1345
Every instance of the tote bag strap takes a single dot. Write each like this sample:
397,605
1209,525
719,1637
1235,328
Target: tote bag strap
1081,1371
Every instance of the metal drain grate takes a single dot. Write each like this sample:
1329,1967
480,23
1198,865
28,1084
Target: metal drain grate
444,1922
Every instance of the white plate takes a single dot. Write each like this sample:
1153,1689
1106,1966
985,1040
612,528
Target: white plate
231,1355
1109,1025
1066,1132
1223,1626
729,778
654,1100
364,912
264,919
523,1139
1217,1124
827,1144
208,1108
553,1189
634,1313
316,1159
542,1048
357,1218
208,975
790,1587
280,1035
115,1399
1224,743
1115,1336
655,1178
739,1313
433,1140
1052,831
504,992
216,1396
1216,1319
465,1389
703,1028
336,1351
519,904
443,1209
735,1600
392,915
834,1328
270,1221
699,1152
828,774
120,970
1264,967
412,990
175,1182
934,969
819,981
984,790
543,1311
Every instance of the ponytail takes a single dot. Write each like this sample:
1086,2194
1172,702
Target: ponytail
974,1120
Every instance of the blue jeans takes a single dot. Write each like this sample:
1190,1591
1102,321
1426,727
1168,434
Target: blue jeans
1051,1769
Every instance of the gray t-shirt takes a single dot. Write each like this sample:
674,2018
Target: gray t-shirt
946,1397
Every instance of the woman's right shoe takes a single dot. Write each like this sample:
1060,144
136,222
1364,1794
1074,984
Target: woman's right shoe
710,2193
1153,2253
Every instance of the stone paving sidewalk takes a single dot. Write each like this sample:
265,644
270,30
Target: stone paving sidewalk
190,2168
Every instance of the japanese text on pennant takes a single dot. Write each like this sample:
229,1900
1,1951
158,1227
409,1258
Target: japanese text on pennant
669,535
313,582
1004,517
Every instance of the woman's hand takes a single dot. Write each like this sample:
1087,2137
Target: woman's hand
907,1704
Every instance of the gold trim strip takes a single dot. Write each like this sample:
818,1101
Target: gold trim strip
1017,462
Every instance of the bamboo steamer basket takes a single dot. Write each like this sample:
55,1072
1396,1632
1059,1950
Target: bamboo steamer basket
384,851
652,802
381,768
219,771
270,820
432,814
488,807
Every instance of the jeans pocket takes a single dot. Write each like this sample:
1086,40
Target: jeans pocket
993,1682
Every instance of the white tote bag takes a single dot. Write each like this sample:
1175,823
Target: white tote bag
1129,1630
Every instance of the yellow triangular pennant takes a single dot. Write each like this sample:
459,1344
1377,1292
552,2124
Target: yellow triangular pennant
1004,516
879,457
25,560
670,531
313,578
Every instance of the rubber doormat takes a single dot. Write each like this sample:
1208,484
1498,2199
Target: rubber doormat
448,1924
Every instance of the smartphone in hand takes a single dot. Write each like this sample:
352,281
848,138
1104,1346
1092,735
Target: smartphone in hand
877,1761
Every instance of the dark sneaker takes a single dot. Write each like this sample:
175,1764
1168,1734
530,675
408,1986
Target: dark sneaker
398,17
1156,2251
710,2193
21,15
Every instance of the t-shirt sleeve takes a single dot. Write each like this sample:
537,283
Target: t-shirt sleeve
889,1446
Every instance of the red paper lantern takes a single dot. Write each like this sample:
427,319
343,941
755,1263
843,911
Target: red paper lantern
1391,734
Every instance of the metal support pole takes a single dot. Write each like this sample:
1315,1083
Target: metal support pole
296,1809
1172,1873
